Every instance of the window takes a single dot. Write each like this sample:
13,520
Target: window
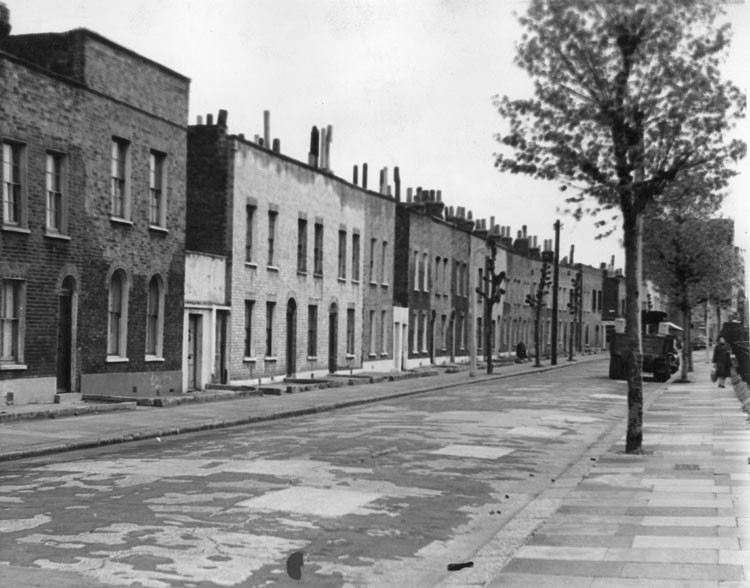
437,275
350,331
355,257
462,334
118,310
312,330
480,335
270,307
373,245
480,284
249,232
446,277
272,214
425,276
384,332
423,324
14,196
157,191
120,196
249,307
342,255
599,300
318,250
416,270
11,322
55,201
155,317
383,259
302,245
371,324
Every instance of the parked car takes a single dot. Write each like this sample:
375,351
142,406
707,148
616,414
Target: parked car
699,342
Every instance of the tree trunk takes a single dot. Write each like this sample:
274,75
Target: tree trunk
632,229
488,334
687,344
538,310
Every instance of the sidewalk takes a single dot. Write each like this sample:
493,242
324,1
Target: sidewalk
676,517
97,424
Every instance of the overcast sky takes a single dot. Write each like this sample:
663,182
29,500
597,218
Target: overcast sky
404,83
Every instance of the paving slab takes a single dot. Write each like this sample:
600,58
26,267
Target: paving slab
672,517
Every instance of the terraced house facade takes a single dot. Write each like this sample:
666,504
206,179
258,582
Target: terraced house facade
91,237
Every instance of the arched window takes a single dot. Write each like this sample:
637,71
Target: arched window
155,318
118,315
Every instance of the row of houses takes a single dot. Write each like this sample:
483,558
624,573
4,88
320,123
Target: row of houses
142,255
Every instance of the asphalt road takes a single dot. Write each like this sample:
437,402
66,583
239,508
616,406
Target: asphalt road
386,494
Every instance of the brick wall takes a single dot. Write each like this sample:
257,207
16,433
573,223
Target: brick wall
46,112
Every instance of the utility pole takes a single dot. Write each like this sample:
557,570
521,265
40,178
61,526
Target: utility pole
555,288
574,307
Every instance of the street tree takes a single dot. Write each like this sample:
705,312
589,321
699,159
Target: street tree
689,258
628,97
537,302
574,307
491,293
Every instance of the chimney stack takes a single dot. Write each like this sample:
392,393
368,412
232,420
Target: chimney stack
572,250
397,182
364,176
355,176
4,22
312,157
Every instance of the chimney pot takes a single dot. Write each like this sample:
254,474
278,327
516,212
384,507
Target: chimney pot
210,119
364,176
221,120
355,176
276,145
200,119
266,127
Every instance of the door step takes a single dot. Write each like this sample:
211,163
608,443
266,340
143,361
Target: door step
68,398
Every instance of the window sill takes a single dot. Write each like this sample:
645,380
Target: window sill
384,285
342,280
116,359
270,358
384,354
53,235
154,359
373,283
302,273
251,265
355,282
318,275
16,229
120,221
350,356
249,360
272,268
13,367
158,229
372,355
312,358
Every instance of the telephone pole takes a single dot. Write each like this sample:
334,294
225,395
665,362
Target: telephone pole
555,288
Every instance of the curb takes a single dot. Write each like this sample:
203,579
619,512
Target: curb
208,426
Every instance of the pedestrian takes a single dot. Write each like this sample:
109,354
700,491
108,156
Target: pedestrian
521,354
722,361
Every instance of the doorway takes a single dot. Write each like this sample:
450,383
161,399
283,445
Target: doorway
333,333
291,337
65,343
195,327
220,375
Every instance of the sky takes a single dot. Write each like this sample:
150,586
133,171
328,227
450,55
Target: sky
407,84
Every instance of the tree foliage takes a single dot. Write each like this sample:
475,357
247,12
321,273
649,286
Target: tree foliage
628,95
628,100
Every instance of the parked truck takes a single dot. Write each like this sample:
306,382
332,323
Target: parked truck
660,356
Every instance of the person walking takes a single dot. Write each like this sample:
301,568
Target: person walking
722,361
